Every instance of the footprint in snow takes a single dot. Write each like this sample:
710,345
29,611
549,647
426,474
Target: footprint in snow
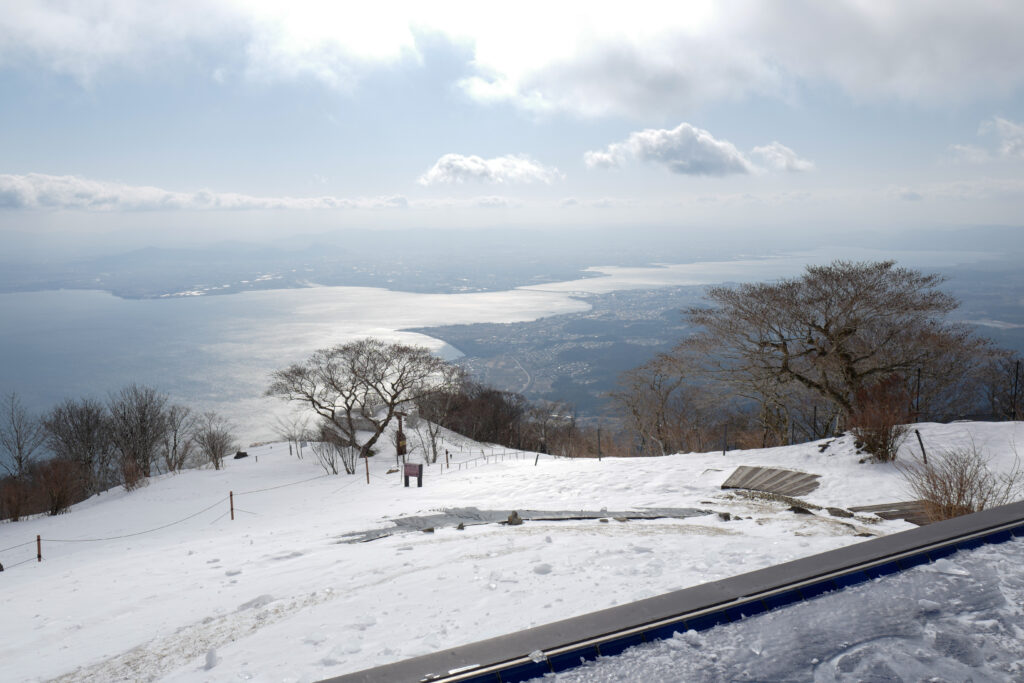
256,603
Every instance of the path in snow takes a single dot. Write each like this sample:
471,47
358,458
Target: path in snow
470,516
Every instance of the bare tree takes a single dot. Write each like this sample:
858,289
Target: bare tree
549,425
179,443
79,431
21,437
483,413
138,421
331,450
59,483
295,430
357,387
1001,389
435,407
214,438
834,330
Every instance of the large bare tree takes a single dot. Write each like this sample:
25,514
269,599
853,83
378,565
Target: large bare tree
356,388
835,330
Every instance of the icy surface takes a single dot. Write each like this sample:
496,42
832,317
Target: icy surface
174,590
959,619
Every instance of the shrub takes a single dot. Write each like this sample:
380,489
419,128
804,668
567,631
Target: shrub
12,499
959,481
60,484
879,420
132,474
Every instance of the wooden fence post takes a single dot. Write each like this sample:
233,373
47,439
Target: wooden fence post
231,502
39,548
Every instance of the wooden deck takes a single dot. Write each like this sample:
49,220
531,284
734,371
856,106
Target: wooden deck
772,480
911,511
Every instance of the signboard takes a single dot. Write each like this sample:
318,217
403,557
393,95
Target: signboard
412,470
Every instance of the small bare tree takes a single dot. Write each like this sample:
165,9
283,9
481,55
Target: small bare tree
331,449
138,425
79,431
60,483
179,441
21,437
879,420
650,399
436,407
295,430
214,438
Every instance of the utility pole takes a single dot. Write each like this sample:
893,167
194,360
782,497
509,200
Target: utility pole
1016,383
917,401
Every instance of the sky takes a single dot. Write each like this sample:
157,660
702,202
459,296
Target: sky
224,118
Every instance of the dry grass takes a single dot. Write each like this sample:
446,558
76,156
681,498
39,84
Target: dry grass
959,481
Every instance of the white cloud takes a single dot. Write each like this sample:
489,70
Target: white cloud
638,59
987,190
457,168
689,150
1009,134
1009,137
971,154
40,191
685,149
649,58
778,157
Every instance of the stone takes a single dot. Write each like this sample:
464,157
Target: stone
799,510
514,519
839,512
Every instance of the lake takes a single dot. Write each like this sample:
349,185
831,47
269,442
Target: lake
216,352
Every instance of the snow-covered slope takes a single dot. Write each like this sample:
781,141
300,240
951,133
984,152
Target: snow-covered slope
274,594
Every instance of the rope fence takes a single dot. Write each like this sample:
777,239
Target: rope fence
485,457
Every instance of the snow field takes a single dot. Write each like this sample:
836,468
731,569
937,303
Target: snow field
273,595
